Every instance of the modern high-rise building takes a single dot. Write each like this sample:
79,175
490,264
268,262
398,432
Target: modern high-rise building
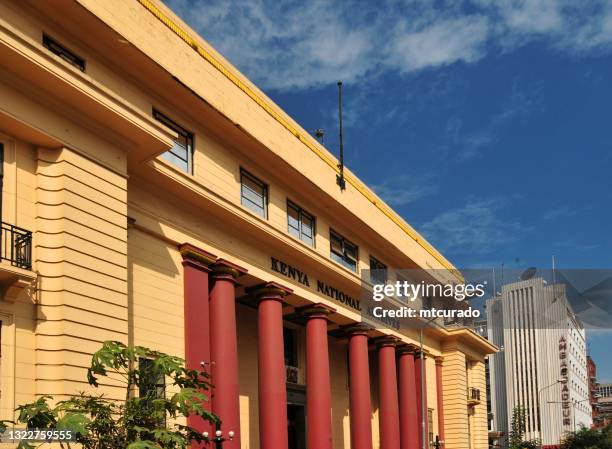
496,436
542,365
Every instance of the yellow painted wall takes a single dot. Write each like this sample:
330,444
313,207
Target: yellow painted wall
479,424
80,173
454,385
17,308
81,259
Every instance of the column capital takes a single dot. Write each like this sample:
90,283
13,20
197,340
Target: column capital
386,340
439,360
360,328
196,257
407,348
317,310
227,270
269,290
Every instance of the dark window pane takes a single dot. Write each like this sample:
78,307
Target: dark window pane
307,226
378,271
343,251
290,346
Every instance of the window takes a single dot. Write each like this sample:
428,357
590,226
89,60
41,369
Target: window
300,223
290,346
181,154
58,49
378,271
343,251
430,425
253,194
152,386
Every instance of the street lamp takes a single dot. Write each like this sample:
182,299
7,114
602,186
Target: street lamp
219,439
558,381
573,408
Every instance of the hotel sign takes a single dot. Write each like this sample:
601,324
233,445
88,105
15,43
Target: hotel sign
565,394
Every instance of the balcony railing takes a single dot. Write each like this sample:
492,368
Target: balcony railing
16,246
473,395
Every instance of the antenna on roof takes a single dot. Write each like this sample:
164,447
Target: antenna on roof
319,134
340,176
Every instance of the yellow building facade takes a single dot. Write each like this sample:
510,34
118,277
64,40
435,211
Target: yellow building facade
101,227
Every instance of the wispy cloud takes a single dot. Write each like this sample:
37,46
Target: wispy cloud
473,143
476,228
401,190
288,44
558,212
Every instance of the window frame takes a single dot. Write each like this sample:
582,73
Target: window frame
158,385
265,192
60,50
381,267
430,430
302,212
189,138
290,343
344,242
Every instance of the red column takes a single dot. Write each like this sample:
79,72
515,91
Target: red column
439,361
359,388
197,336
224,349
318,386
272,383
409,421
387,392
420,406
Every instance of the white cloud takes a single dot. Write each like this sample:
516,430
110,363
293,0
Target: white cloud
440,43
475,228
287,44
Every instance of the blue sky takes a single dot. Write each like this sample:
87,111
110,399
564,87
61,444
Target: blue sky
486,124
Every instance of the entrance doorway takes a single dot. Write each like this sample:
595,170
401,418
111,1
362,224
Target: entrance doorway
296,416
296,426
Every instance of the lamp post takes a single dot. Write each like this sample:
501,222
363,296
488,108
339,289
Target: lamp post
573,408
558,381
219,439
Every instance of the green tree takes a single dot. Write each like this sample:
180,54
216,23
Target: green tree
585,438
516,437
146,420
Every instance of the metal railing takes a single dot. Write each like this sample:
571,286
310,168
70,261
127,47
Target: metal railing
473,394
16,246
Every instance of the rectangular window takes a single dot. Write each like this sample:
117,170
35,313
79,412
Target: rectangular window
152,386
300,223
342,251
181,154
378,271
253,194
430,425
58,49
290,346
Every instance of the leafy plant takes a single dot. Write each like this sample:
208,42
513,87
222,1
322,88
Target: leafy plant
147,420
585,438
516,437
